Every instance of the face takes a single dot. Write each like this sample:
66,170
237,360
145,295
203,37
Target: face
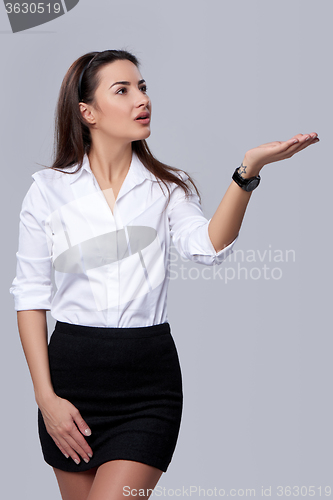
117,105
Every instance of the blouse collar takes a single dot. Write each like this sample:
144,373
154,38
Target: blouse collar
137,172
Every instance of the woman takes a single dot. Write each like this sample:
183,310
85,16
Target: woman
108,386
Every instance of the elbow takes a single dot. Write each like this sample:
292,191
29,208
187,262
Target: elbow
226,243
229,242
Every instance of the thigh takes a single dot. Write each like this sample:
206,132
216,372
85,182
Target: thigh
75,485
118,479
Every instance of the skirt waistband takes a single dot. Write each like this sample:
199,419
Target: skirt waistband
112,332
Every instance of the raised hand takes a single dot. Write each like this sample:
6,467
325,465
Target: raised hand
271,152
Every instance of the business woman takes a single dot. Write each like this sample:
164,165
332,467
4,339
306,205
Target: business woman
108,385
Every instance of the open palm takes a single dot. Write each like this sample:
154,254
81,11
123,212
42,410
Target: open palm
279,150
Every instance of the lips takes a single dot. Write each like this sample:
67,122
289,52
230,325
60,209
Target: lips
143,116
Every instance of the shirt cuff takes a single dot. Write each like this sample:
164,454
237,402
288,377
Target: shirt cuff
210,257
31,297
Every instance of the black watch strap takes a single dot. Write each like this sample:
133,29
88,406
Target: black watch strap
247,184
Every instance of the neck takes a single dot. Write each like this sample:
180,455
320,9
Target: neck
110,161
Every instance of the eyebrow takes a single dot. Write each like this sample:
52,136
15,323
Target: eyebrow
127,83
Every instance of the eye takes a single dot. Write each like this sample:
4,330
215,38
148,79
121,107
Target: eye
123,88
144,88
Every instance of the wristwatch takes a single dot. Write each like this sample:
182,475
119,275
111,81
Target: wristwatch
247,184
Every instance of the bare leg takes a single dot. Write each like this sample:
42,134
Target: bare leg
113,476
75,485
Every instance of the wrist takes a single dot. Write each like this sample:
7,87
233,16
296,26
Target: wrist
44,397
249,169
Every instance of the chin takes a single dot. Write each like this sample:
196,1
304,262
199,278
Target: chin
144,135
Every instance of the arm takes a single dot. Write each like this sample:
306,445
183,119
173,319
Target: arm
58,413
189,229
32,328
225,224
32,290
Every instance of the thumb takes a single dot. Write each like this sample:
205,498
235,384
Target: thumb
82,425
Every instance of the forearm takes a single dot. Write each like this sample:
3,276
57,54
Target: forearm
32,326
227,220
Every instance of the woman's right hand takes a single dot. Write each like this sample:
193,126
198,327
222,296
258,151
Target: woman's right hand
66,426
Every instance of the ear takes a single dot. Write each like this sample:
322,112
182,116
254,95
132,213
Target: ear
87,113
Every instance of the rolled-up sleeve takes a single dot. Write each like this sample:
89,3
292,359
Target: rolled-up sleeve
32,285
189,230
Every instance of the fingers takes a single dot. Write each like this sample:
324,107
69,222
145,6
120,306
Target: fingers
303,141
83,427
60,417
72,444
302,138
76,446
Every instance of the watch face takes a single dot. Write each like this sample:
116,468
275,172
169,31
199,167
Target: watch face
252,185
246,184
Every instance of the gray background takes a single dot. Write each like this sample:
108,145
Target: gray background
223,77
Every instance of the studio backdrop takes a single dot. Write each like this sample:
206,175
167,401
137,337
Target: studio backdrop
253,334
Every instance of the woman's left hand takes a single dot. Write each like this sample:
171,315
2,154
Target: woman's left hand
270,152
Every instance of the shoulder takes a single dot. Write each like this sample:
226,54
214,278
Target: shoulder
181,174
45,183
34,204
174,187
53,184
48,175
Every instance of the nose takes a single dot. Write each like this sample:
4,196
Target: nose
143,100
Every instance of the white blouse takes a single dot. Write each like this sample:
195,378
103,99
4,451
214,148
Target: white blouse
110,269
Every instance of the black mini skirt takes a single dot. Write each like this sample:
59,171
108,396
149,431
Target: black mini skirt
127,385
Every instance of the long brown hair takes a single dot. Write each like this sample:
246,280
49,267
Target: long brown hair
72,135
